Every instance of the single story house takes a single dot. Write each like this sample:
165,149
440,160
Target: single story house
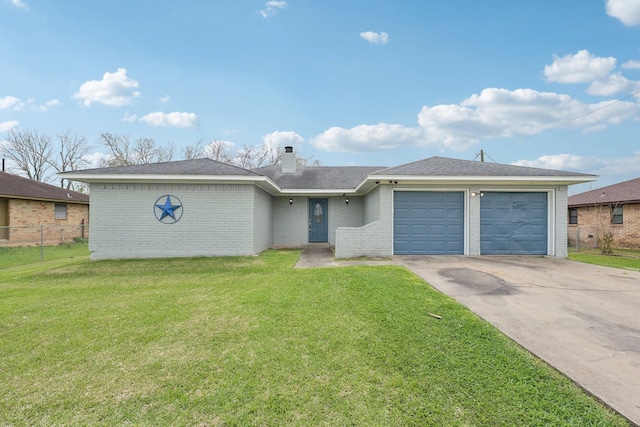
32,210
615,208
432,206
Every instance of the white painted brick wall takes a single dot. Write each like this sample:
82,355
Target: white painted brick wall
262,220
474,221
217,220
375,238
342,214
561,195
290,222
372,206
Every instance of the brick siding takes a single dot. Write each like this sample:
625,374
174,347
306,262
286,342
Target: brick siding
593,219
25,217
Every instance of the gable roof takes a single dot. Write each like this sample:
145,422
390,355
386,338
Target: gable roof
624,192
330,180
17,187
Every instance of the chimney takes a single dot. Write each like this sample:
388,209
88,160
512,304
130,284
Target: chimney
288,160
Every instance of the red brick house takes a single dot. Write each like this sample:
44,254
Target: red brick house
615,208
31,210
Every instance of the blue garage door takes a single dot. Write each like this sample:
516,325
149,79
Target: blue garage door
428,223
513,224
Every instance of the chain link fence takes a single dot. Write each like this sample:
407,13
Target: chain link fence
582,238
32,244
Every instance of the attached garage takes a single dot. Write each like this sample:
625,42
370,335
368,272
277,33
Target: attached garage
428,223
514,223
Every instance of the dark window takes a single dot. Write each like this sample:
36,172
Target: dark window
573,216
616,214
61,211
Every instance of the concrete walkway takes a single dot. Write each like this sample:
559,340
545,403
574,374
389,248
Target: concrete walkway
319,255
582,319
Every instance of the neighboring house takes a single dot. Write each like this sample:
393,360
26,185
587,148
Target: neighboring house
432,206
31,210
615,208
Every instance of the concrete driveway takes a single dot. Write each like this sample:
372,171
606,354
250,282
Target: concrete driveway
582,319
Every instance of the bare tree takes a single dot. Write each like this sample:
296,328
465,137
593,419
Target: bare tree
71,156
218,150
605,220
248,157
31,153
245,156
123,152
191,152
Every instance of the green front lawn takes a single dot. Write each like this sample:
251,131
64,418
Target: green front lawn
251,341
621,258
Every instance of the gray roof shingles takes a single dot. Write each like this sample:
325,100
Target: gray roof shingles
319,177
336,177
180,167
14,186
443,166
624,192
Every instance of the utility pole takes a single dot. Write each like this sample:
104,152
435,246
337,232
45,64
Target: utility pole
482,155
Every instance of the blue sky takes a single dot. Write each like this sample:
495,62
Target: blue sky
552,84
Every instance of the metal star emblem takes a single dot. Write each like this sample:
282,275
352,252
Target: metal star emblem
172,211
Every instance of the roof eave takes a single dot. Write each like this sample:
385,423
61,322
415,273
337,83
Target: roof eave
262,181
45,199
366,184
603,203
318,192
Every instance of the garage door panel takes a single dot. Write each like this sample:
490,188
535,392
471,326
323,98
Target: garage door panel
513,223
428,222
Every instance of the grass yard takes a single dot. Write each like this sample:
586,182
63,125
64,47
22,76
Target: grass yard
622,258
22,255
251,341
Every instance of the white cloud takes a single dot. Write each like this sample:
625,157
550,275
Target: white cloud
115,89
613,166
5,126
494,113
501,113
272,8
19,4
627,11
175,119
375,38
277,139
612,84
47,105
567,162
129,118
94,160
631,65
164,99
579,68
10,102
383,136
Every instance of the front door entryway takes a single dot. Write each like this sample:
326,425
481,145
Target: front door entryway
318,220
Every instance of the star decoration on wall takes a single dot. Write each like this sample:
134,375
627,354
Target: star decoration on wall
168,210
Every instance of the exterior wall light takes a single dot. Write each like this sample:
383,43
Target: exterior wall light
290,202
346,200
477,193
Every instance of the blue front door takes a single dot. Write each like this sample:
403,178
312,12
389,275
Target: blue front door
318,222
